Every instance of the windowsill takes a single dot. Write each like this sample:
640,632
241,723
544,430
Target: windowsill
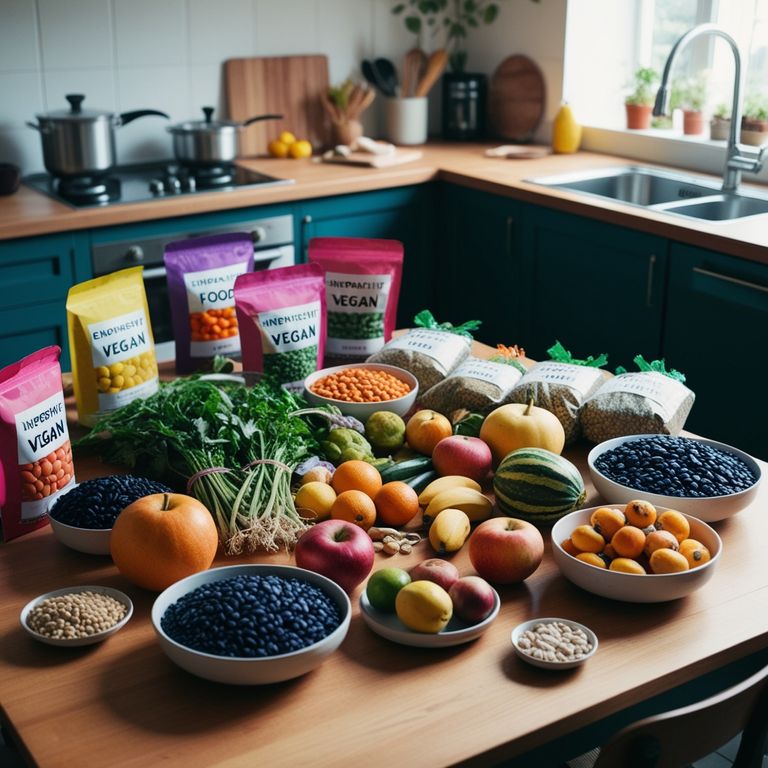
668,147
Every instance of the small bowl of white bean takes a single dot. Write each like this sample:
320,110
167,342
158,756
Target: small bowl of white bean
554,643
73,616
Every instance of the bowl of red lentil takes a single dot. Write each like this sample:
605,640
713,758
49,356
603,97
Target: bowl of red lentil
360,389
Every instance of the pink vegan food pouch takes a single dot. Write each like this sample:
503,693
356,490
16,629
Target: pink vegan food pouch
201,279
35,453
281,314
362,281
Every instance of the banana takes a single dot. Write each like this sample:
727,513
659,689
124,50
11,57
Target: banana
474,504
449,531
443,484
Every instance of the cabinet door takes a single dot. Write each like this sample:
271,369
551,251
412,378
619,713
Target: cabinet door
477,267
716,328
23,331
403,214
594,287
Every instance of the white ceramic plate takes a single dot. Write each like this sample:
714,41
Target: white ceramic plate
91,639
457,632
518,631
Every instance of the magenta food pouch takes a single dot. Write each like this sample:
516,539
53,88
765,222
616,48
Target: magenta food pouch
35,452
201,286
281,314
362,284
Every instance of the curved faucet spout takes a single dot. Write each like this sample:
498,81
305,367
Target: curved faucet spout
736,161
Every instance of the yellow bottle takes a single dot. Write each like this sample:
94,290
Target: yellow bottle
566,132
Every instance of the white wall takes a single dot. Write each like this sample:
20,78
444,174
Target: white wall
168,55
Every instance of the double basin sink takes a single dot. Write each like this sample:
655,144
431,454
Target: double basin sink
658,190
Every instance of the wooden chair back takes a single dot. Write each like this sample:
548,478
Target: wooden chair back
681,736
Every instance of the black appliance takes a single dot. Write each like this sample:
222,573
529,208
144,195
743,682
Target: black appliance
464,96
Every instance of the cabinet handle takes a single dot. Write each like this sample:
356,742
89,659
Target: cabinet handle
729,279
306,220
649,284
510,233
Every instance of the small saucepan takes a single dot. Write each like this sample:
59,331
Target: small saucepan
81,142
210,142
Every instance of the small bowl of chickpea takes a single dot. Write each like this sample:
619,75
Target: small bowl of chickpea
360,389
635,552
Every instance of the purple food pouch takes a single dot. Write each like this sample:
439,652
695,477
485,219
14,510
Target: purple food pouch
281,314
201,276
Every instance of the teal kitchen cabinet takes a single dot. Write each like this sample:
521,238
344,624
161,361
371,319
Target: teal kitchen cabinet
35,275
478,263
715,332
404,214
595,287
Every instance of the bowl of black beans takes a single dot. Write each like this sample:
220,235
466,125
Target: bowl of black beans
82,518
251,624
703,478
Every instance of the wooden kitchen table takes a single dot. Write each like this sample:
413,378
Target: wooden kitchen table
372,703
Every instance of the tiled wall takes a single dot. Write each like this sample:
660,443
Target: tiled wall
168,54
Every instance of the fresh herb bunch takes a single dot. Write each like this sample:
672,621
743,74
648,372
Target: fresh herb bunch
194,424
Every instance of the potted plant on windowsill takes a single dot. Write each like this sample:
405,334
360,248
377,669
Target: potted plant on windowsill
639,103
720,124
754,123
690,95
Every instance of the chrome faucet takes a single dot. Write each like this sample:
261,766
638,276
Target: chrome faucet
738,158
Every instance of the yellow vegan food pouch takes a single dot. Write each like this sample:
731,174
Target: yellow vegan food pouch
111,343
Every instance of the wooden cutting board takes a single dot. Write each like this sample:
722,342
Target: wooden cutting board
398,157
516,97
287,85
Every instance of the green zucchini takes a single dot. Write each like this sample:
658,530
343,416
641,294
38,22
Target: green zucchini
421,481
402,470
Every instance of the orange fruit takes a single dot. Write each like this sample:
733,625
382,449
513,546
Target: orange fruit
586,539
356,475
425,429
659,540
668,561
396,503
675,522
640,513
592,558
607,520
354,507
625,565
694,552
628,541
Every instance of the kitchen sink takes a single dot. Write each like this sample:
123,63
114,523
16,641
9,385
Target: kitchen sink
659,190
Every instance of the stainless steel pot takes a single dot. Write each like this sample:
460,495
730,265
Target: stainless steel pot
210,142
81,142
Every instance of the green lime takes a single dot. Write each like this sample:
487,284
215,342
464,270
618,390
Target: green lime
385,430
383,586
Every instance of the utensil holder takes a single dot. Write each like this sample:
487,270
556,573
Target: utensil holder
405,120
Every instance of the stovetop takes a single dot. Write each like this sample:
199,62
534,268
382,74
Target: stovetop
149,181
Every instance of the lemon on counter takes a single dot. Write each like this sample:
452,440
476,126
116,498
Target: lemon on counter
300,148
287,138
278,148
424,606
566,132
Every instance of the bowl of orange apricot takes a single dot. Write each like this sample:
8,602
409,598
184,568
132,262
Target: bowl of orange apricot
635,551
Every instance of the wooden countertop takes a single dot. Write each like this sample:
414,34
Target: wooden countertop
29,213
123,703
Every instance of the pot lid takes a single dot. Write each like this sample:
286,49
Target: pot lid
76,113
206,125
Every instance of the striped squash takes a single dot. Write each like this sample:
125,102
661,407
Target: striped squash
537,485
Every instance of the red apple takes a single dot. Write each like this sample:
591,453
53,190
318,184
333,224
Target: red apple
505,550
463,455
337,549
434,569
473,599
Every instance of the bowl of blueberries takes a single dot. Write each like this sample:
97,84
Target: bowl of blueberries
82,518
702,478
251,624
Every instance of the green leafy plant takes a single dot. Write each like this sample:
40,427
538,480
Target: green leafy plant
689,94
722,111
756,106
453,18
643,87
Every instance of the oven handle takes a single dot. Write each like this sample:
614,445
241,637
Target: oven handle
151,274
266,255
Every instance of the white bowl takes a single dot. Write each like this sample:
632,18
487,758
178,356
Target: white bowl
92,541
455,633
90,639
362,411
631,587
518,631
245,670
710,509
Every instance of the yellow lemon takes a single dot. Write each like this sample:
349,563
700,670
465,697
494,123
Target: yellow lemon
278,148
300,148
314,500
287,138
424,606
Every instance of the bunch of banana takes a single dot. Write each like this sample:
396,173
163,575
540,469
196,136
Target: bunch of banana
449,530
471,501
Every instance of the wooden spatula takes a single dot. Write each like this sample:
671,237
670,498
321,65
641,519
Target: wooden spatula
414,66
435,65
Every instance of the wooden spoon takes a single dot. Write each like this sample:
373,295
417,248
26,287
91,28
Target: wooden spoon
414,66
435,65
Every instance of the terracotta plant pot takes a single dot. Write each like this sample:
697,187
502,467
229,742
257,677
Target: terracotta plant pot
719,128
693,123
754,132
638,116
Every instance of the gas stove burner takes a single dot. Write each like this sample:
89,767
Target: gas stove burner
211,177
89,189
